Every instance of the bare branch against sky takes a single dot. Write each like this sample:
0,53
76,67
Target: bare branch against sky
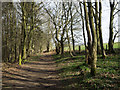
0,45
54,0
119,22
105,14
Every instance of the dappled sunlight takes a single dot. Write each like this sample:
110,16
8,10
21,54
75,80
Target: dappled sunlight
52,45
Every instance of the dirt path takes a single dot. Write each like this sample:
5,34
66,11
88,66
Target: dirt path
38,74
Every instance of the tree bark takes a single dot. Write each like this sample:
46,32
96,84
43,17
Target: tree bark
57,48
73,41
88,49
48,45
97,28
110,43
69,43
24,31
62,47
94,41
100,30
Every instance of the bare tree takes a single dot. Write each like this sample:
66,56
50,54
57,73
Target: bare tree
100,30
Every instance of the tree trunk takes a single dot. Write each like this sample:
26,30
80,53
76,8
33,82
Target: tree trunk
79,49
106,47
31,30
111,50
69,43
88,33
94,41
73,41
20,53
48,45
24,31
15,51
57,48
24,51
100,30
62,47
86,51
97,28
29,46
20,59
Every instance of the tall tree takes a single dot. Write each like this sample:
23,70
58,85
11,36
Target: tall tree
60,19
73,41
96,26
9,32
86,56
112,8
100,30
88,48
24,30
91,32
94,40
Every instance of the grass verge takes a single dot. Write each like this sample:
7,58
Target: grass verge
76,74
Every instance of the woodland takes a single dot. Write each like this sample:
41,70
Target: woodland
59,45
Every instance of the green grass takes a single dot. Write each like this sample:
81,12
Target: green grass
116,46
34,58
76,74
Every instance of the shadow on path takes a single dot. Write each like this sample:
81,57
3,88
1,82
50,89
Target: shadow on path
40,74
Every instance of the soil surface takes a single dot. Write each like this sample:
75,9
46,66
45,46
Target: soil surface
38,74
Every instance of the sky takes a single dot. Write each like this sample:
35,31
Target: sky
105,18
105,22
